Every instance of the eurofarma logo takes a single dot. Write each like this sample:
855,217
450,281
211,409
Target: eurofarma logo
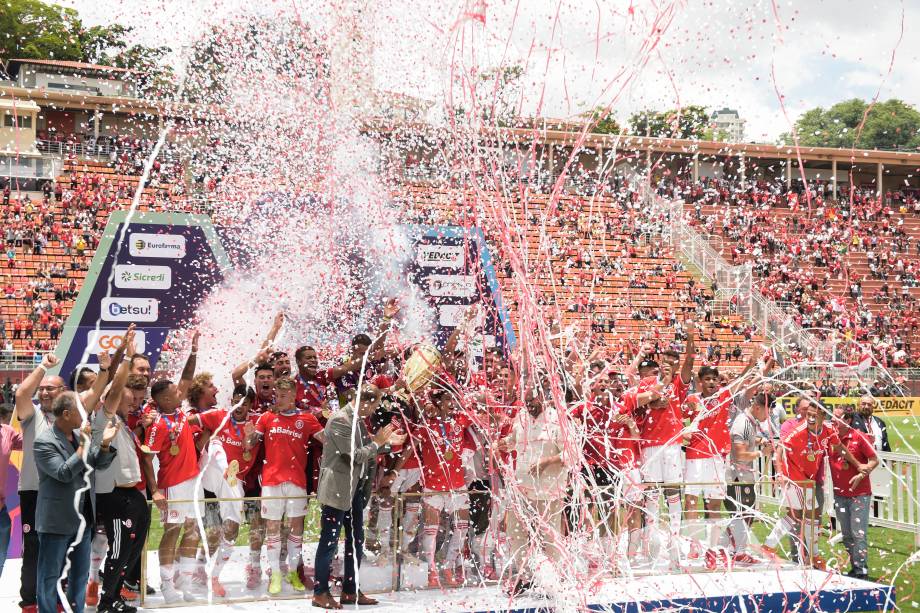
130,309
128,276
157,245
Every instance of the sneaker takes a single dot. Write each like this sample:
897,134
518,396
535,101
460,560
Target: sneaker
200,577
818,563
92,593
253,577
170,594
274,584
433,579
116,607
128,594
460,574
770,554
305,577
745,559
217,588
516,588
489,574
449,579
294,580
29,608
695,549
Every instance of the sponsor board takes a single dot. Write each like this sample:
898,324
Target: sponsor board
131,276
887,405
130,309
455,286
110,340
142,245
440,256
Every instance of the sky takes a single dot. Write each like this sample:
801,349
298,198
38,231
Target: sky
770,61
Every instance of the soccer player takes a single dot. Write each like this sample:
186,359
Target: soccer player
231,455
285,433
661,426
803,452
440,435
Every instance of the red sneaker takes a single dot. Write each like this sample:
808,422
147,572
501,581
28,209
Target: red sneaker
489,574
253,577
745,559
217,588
770,554
433,579
819,563
694,550
449,579
92,593
30,608
129,595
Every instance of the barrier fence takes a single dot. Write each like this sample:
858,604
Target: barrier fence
387,569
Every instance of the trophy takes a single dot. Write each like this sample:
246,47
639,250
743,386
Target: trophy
419,369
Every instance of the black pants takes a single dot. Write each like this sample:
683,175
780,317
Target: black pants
27,502
480,505
124,514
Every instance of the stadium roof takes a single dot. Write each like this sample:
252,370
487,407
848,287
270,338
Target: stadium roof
14,64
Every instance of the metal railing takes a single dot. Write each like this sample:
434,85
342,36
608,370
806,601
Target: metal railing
770,318
11,360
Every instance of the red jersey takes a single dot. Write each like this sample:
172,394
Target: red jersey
711,438
232,437
285,437
804,452
602,434
440,444
662,426
842,471
171,438
314,394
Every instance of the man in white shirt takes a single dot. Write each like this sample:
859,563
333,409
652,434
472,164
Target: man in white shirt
540,475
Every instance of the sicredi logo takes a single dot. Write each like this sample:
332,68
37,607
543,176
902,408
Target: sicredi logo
440,256
130,309
156,245
110,340
128,276
456,286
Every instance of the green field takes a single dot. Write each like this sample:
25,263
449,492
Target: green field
904,434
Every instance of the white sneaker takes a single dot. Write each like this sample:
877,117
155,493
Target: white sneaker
186,585
170,594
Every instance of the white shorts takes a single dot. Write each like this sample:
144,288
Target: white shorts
448,502
406,479
663,464
231,510
294,505
705,478
178,512
796,497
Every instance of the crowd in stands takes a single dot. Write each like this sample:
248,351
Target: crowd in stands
848,264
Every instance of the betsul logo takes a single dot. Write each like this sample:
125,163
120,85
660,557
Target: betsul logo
128,276
110,340
130,309
157,245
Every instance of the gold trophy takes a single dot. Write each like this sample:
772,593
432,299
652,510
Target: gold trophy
419,369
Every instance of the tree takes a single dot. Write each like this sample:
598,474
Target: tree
690,121
99,43
32,29
892,124
604,121
151,75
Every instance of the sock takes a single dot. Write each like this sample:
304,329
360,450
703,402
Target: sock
100,546
224,552
429,538
651,510
810,530
781,529
273,549
456,541
384,525
739,532
255,557
410,525
294,550
187,568
166,574
674,514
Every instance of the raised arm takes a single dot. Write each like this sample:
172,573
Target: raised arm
24,407
686,370
188,373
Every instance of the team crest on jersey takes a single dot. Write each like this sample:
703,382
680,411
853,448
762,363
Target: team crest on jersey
26,528
298,424
128,523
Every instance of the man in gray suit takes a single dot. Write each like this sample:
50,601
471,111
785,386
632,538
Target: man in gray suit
346,476
59,452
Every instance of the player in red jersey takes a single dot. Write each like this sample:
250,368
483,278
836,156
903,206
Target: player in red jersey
804,450
440,435
285,433
661,426
231,455
707,451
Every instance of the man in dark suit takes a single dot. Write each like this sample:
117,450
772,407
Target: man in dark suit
873,424
59,456
346,476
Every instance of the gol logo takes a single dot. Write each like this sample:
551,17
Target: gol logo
111,341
